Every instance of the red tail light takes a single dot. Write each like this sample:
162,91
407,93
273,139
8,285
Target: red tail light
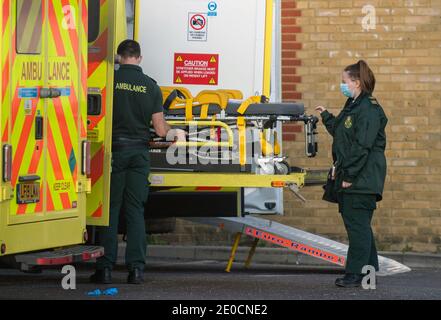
7,163
85,168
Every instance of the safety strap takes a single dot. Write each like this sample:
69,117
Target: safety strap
204,111
266,147
189,110
241,125
251,100
277,148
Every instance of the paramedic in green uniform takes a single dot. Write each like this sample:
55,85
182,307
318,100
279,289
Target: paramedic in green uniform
359,141
137,102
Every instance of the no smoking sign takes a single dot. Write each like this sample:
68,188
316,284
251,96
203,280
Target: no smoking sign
197,27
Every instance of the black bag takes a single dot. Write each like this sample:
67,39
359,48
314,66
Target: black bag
330,194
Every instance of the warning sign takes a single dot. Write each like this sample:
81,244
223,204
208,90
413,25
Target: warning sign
197,27
194,68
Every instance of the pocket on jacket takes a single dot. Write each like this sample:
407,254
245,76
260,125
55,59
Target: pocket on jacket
366,202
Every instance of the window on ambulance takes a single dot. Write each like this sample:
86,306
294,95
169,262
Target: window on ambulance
94,20
29,26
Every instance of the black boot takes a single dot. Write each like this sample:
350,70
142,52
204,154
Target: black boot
103,276
350,280
136,276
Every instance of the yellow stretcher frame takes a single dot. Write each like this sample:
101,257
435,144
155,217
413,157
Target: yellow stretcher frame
225,180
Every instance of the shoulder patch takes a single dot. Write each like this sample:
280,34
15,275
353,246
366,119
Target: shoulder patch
348,122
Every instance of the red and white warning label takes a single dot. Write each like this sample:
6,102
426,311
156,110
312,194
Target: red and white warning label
195,68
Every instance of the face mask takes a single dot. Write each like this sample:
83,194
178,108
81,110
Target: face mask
344,88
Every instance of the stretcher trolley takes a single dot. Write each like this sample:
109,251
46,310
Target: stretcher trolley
233,148
228,133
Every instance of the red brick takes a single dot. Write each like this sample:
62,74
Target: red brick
289,71
288,87
290,62
288,21
289,37
292,128
291,13
286,54
288,4
289,78
291,46
291,96
291,29
289,137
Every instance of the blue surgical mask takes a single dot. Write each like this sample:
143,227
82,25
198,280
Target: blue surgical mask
344,88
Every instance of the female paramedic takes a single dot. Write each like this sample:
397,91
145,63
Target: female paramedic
359,141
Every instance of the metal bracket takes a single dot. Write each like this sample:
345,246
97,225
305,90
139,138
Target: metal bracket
84,185
6,193
295,189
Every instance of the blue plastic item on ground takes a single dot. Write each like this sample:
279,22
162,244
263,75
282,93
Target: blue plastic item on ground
110,292
94,293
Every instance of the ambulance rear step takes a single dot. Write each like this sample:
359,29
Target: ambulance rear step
74,254
293,239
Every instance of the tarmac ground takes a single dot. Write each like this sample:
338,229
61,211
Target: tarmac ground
202,280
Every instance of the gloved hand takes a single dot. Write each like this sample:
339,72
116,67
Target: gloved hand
178,135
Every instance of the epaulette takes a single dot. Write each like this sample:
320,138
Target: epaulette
373,101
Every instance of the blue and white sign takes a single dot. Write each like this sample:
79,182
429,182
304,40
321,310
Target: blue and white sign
65,92
27,93
212,7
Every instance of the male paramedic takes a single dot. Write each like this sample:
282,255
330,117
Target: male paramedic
137,102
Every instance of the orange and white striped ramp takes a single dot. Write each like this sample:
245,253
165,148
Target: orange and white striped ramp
297,240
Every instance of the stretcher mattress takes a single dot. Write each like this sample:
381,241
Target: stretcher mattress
258,109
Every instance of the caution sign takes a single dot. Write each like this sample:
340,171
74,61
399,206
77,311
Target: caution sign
195,68
197,27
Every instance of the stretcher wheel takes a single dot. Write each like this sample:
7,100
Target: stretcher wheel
282,168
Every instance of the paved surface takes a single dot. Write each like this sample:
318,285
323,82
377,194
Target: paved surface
274,255
206,280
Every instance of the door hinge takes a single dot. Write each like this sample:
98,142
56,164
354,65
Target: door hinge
84,185
6,193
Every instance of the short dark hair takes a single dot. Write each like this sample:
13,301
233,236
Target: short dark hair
129,49
361,71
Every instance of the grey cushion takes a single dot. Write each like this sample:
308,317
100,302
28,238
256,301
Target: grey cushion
258,109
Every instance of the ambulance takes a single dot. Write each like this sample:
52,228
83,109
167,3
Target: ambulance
52,153
57,62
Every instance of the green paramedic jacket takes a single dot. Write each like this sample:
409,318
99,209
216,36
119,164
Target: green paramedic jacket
358,146
135,98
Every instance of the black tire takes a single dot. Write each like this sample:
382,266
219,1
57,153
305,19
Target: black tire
8,262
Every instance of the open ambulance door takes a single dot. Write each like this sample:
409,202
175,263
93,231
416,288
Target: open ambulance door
43,96
102,41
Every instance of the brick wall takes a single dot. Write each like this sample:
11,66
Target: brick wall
320,38
404,51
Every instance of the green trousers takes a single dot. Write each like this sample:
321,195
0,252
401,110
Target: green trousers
357,211
128,191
